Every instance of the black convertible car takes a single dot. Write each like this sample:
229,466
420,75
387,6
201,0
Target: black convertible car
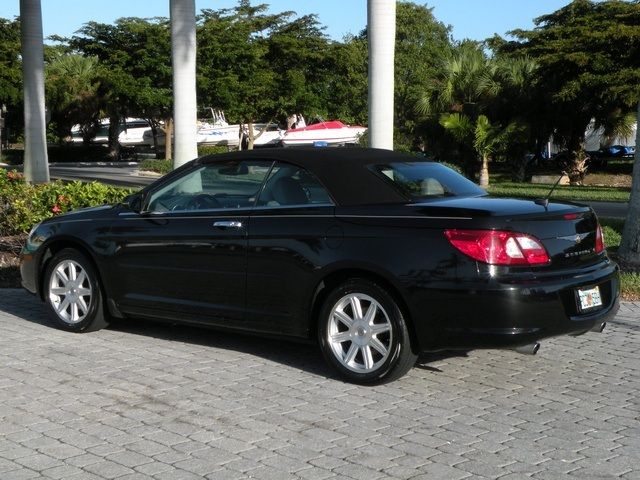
376,255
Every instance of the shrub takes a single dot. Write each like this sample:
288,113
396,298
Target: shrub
611,236
23,205
158,166
211,149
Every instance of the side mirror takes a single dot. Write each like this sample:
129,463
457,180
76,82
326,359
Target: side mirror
133,201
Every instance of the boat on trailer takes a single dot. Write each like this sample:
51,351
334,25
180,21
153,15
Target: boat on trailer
333,132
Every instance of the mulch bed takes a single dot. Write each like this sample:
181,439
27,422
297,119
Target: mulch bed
10,261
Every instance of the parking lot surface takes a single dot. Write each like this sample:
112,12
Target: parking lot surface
141,400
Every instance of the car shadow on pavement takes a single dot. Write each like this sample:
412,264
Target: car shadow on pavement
304,356
301,355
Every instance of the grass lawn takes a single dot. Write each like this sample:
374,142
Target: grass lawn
629,281
585,192
607,184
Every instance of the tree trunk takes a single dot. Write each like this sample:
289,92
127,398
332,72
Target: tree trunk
576,169
484,172
629,251
114,133
251,137
168,139
36,160
381,19
183,59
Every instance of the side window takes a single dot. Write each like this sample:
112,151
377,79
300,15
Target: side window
290,185
212,187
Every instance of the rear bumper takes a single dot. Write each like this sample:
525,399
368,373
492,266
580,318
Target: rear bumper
503,315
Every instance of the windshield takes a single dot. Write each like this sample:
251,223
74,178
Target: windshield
425,180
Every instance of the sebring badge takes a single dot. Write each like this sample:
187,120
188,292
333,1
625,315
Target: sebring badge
577,238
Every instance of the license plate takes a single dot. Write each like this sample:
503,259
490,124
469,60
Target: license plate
589,298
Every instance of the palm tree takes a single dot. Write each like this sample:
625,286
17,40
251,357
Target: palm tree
480,134
381,19
468,91
183,56
466,82
36,161
72,93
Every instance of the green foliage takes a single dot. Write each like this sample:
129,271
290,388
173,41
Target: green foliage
466,96
22,205
459,125
611,236
211,149
233,71
157,166
629,281
259,66
588,64
345,93
72,92
10,65
630,286
134,67
421,43
11,75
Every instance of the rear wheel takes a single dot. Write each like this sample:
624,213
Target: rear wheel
72,293
363,334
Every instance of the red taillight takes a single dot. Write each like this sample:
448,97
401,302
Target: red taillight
498,247
599,239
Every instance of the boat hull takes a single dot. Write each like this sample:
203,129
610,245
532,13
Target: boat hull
330,135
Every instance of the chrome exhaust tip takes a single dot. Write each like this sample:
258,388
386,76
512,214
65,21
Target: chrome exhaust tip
530,349
599,327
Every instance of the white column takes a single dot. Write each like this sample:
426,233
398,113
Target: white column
183,60
36,160
381,19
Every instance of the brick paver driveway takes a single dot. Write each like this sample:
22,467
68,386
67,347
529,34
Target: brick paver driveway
163,402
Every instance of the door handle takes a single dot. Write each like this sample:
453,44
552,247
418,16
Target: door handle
228,224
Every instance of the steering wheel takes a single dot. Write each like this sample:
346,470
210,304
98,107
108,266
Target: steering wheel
202,201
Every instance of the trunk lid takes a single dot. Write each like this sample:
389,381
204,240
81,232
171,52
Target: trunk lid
567,230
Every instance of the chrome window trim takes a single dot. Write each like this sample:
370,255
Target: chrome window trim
244,211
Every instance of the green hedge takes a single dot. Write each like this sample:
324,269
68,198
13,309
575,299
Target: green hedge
158,166
22,205
165,166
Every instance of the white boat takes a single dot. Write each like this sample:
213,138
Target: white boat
270,137
227,137
327,133
217,131
132,132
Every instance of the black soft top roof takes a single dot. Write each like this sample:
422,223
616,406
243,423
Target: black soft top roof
344,171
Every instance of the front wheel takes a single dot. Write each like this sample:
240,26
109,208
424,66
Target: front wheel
363,334
72,293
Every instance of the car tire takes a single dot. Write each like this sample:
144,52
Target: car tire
72,293
363,334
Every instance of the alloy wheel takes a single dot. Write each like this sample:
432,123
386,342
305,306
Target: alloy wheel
70,292
360,333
